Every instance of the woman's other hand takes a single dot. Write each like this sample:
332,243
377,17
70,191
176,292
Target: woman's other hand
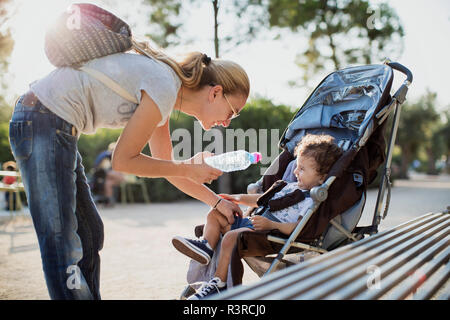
199,171
229,210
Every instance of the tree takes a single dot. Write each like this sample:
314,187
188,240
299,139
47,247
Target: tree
6,47
440,146
163,18
415,130
339,32
6,41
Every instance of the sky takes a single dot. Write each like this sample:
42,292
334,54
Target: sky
269,63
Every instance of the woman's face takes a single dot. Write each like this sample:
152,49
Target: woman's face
221,108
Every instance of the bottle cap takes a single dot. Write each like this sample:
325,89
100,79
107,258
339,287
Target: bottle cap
256,157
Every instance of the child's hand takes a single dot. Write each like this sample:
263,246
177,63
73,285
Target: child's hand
261,223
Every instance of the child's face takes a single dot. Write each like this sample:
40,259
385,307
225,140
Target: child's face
306,173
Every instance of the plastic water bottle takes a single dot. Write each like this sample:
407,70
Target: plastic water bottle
233,161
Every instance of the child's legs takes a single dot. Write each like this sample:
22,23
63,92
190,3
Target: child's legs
216,224
226,249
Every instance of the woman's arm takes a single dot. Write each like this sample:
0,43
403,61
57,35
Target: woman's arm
161,147
140,128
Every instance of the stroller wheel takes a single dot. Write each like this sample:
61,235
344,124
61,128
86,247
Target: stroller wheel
187,292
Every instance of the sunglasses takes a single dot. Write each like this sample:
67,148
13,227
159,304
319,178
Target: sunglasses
235,114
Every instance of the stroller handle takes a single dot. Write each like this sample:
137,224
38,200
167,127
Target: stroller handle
399,67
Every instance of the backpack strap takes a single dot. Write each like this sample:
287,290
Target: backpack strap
110,83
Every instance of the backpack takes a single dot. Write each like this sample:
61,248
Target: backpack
85,32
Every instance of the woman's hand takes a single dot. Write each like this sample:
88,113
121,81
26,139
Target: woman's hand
262,223
229,210
199,171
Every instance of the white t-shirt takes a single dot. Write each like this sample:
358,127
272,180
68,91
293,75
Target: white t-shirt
294,212
88,104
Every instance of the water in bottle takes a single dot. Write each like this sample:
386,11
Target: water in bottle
233,161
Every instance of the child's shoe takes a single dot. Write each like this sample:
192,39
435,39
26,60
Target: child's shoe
215,285
199,250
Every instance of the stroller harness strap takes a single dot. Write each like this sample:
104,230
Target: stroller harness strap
286,201
283,202
276,186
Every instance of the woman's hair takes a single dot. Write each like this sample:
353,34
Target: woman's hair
198,70
321,148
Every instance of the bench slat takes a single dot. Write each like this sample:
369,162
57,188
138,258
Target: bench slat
430,287
408,264
336,271
331,267
421,275
343,275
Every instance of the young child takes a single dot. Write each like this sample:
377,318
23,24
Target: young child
315,156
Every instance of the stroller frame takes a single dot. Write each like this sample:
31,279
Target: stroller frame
320,193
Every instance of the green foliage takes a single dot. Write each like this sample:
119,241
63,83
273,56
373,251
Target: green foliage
5,149
90,146
418,123
259,114
163,17
5,116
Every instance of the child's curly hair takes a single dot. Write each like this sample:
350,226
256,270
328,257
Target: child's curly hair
321,148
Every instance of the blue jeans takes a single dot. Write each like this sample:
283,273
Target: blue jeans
246,223
68,226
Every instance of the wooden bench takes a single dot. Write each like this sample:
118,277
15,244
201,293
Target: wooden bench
410,261
14,188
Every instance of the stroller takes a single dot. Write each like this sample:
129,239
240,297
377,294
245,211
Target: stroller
352,105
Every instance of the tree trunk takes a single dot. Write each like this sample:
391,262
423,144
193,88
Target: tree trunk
337,65
224,182
431,162
405,162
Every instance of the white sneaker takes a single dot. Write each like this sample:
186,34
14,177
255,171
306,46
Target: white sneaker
215,285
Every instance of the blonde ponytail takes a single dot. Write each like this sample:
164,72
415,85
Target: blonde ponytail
195,71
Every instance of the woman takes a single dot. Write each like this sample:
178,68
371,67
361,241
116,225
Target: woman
48,120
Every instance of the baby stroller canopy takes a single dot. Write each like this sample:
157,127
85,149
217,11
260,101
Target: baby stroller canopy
343,103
